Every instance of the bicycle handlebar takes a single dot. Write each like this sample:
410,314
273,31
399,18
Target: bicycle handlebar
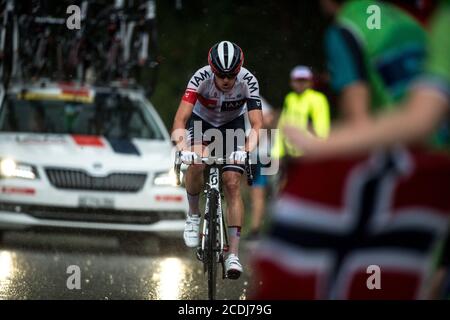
216,160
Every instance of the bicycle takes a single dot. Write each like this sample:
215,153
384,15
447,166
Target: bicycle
129,43
213,244
9,42
116,42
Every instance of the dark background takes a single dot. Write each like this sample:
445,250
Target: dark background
274,35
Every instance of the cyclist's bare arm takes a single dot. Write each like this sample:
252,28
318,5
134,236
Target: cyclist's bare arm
256,121
354,101
411,123
179,124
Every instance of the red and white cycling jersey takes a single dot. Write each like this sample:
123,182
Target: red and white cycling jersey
217,107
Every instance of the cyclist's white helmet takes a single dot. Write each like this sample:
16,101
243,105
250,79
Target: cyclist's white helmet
226,58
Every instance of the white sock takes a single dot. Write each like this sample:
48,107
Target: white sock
193,200
234,232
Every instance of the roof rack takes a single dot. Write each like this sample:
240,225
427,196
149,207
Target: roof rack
54,52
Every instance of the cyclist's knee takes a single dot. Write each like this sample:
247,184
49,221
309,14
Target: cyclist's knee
232,183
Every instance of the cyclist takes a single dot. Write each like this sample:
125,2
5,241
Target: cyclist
217,97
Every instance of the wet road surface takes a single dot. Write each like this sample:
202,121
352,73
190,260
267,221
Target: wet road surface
35,266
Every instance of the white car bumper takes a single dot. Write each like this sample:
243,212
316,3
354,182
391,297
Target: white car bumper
18,221
25,204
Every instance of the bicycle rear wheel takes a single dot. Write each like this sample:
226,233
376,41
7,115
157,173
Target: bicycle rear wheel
211,257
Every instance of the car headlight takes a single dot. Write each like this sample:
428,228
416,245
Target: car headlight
166,178
12,169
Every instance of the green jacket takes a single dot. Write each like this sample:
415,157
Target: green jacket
308,109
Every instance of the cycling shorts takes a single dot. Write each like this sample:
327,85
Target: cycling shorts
195,138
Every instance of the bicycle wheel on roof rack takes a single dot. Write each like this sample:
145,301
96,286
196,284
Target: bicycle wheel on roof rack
143,59
6,50
211,243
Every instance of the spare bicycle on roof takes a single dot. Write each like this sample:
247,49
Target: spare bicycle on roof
116,42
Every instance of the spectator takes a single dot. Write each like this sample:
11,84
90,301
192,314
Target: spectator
424,110
304,108
371,69
382,210
386,210
258,191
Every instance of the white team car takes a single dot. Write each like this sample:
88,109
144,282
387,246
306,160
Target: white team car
84,157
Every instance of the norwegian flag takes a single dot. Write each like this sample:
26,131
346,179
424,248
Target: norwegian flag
336,218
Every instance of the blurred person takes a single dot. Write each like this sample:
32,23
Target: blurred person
304,108
425,108
394,202
217,97
371,68
362,227
258,191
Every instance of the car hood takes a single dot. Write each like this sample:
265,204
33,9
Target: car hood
88,152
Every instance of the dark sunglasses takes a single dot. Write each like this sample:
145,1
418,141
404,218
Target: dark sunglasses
223,75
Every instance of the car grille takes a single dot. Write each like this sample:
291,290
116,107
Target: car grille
93,215
80,180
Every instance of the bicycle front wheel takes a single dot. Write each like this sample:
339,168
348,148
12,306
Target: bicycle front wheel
211,258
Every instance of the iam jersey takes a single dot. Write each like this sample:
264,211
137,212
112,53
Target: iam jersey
217,107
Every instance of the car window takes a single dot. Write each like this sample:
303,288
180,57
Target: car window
109,115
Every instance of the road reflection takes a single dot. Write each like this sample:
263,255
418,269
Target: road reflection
34,266
6,273
170,278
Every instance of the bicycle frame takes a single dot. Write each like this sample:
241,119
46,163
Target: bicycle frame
214,184
213,242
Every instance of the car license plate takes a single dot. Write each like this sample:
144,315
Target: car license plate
95,202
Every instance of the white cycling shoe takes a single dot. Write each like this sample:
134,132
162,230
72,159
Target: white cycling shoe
233,267
191,231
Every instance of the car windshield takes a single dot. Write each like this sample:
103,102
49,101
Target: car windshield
111,115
